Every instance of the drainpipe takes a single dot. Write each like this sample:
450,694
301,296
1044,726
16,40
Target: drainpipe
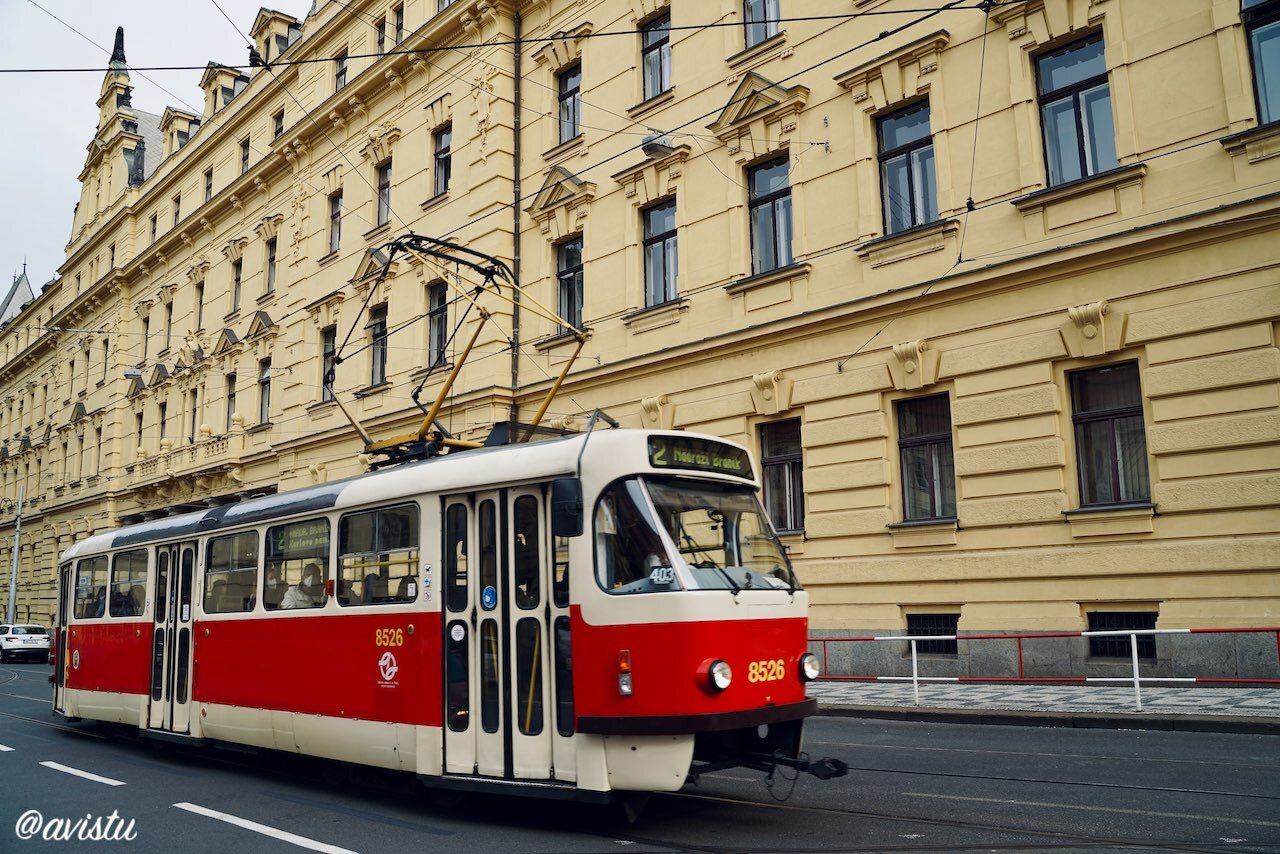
11,611
515,224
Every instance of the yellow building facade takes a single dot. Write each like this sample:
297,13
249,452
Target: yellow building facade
992,291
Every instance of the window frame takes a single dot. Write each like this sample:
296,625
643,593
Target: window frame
272,248
335,222
442,158
771,200
208,185
437,323
793,464
569,102
930,441
765,27
1072,91
1255,17
264,391
570,283
906,150
277,124
383,175
669,241
939,647
231,399
415,547
340,69
328,352
378,340
245,150
1118,646
1110,416
659,47
237,281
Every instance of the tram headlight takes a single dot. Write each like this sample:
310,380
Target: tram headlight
810,667
719,674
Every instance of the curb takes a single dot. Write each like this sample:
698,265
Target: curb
1254,725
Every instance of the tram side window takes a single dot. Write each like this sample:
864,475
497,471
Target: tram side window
91,588
526,541
232,574
129,583
455,557
297,565
378,556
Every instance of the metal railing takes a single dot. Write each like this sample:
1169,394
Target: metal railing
1135,679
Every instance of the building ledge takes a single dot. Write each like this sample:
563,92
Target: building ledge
377,231
267,298
564,148
787,273
327,258
648,106
259,428
1111,520
322,408
901,245
1255,144
917,533
369,391
744,56
1112,179
656,316
435,201
559,338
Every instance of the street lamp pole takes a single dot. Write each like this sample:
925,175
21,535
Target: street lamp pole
11,613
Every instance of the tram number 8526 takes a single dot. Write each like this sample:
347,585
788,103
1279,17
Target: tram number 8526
766,671
388,637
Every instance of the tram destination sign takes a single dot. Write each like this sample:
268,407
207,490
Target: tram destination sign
681,452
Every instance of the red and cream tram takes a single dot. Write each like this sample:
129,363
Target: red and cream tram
602,613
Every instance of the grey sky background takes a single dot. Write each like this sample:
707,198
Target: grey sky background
50,118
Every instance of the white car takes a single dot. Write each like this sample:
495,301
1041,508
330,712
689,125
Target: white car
24,641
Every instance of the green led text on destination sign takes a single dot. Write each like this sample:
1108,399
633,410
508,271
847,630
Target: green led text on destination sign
700,454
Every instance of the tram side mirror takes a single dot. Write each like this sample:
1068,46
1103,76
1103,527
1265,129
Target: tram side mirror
566,507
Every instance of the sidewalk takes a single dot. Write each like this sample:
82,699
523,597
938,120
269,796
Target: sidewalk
1247,710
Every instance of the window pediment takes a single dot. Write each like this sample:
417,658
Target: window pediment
898,75
563,200
227,341
381,140
654,178
758,99
260,325
158,375
1045,20
563,48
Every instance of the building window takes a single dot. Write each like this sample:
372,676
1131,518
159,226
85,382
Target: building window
340,71
264,391
194,425
770,216
443,144
271,266
437,323
1075,109
378,346
208,184
660,253
782,468
244,155
335,221
384,193
231,400
155,224
168,325
106,362
1119,646
655,55
1111,440
237,271
444,4
1262,26
569,86
381,27
199,306
761,18
398,15
907,179
277,125
924,448
137,429
162,416
328,349
569,278
146,338
934,624
177,210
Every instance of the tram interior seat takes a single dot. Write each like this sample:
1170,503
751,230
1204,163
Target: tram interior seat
402,589
375,589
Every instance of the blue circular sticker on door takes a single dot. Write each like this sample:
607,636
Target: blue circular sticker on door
489,597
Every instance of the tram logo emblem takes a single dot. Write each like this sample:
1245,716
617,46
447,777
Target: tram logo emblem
387,666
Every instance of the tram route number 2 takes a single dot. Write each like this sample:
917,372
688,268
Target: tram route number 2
766,671
388,637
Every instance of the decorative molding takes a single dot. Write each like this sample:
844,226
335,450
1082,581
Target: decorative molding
167,292
1093,330
653,179
270,226
903,73
563,201
439,112
759,117
659,412
563,48
771,392
382,138
913,365
332,180
1256,144
909,244
234,250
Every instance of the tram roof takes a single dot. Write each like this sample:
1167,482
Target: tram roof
474,469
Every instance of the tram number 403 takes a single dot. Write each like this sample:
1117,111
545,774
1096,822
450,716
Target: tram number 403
388,637
766,671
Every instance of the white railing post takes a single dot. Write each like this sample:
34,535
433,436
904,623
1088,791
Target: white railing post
1137,681
915,672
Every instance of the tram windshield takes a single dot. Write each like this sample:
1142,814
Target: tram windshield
657,535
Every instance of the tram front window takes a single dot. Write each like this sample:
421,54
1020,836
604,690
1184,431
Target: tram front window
661,535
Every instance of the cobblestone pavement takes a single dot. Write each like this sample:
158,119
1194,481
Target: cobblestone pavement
1259,702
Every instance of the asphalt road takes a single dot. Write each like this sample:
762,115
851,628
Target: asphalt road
912,786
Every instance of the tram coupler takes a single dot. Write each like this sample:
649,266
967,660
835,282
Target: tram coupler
823,769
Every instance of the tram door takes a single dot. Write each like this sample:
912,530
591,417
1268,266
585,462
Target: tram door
172,642
499,719
65,589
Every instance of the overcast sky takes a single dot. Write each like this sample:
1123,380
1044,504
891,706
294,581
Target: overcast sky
50,118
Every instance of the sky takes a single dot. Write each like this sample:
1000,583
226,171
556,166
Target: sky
51,117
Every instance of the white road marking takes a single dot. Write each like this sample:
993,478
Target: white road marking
1006,801
66,769
301,841
4,748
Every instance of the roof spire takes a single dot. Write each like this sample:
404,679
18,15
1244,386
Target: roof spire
117,52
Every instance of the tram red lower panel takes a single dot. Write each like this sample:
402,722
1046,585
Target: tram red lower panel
110,656
665,661
378,667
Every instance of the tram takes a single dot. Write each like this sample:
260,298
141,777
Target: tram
585,616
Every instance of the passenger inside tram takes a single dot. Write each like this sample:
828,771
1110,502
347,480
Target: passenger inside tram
307,593
275,588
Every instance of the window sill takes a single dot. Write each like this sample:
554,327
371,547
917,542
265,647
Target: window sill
917,533
231,315
377,231
327,258
920,240
744,56
558,339
267,298
759,280
647,106
1111,520
1255,144
656,316
792,542
370,391
259,428
1112,179
565,148
422,372
322,408
435,201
